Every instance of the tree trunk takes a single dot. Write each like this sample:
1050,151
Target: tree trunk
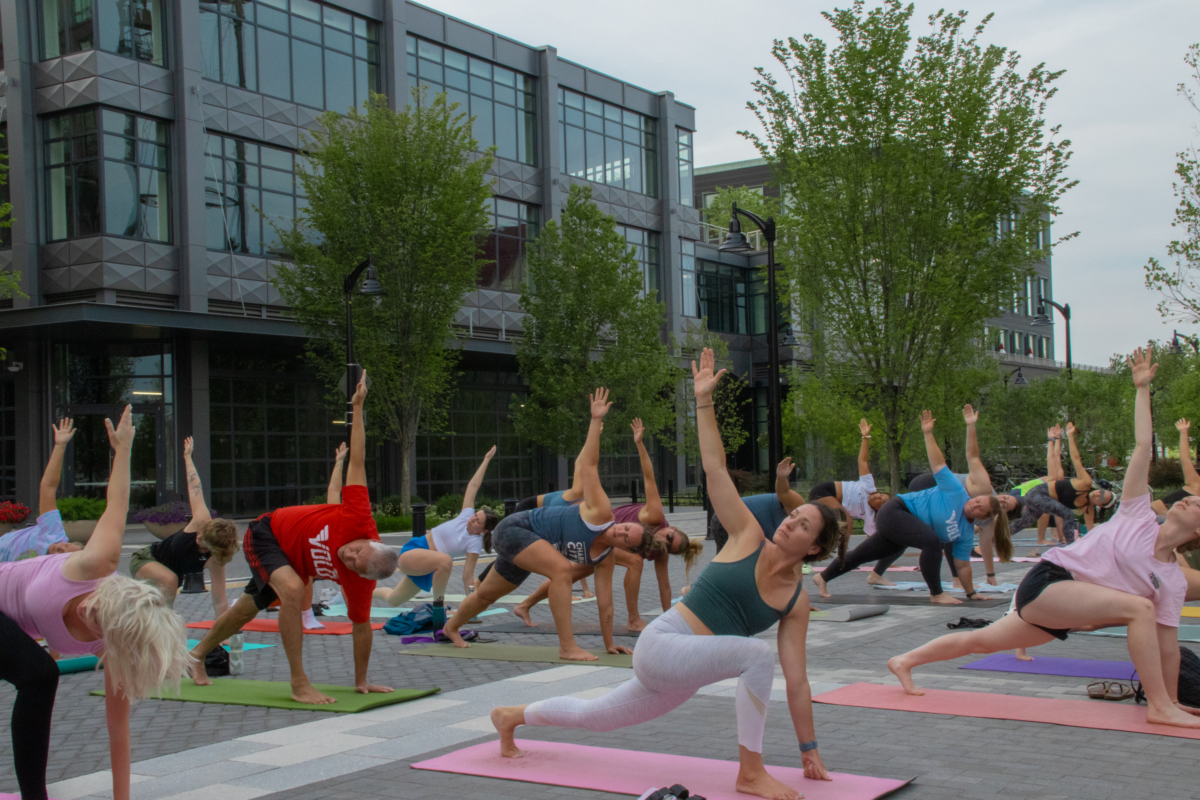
409,419
892,437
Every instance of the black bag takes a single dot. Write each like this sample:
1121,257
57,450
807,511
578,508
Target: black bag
216,662
1189,678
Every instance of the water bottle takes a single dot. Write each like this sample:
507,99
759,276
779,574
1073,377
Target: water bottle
236,648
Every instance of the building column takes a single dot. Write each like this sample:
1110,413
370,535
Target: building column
555,185
20,53
191,233
193,411
393,39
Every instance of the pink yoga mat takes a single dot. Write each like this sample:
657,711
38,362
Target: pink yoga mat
1016,559
1072,713
272,626
632,772
7,796
890,569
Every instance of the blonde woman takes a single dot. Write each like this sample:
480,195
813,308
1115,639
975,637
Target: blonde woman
79,605
205,543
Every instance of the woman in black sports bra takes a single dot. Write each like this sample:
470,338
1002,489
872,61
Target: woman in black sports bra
1077,493
1191,478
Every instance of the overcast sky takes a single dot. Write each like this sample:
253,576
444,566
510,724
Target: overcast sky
1117,104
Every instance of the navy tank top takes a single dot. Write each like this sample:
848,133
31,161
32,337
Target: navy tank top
564,528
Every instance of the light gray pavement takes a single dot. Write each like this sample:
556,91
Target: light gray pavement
187,750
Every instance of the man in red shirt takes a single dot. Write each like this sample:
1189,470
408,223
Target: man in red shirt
288,547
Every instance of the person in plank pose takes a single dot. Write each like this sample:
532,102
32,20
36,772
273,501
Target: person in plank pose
653,517
287,547
551,541
1125,572
46,536
709,636
79,605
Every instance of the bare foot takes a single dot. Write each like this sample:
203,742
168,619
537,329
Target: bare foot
992,581
638,624
875,579
957,583
199,676
944,599
453,635
822,586
309,696
1172,715
763,785
522,611
587,595
1022,655
904,673
506,719
577,653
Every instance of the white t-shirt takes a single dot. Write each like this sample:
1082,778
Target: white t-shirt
452,538
1119,554
854,500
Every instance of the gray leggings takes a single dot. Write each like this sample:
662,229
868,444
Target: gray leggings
1037,502
670,664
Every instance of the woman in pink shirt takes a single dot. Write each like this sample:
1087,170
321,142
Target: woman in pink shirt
1125,572
79,605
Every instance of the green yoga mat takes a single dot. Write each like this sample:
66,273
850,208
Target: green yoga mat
517,652
1187,633
278,694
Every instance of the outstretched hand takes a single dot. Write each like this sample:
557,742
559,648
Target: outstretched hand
360,391
189,446
1142,366
1183,426
64,431
784,469
122,435
339,455
490,454
600,403
864,428
1055,432
927,421
970,415
1071,429
705,377
638,430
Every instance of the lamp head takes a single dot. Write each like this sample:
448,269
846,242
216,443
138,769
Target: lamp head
735,240
1020,381
371,284
1175,349
1042,317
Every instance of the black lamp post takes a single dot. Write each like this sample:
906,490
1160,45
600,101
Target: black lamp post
372,288
1176,350
1020,381
735,242
1043,318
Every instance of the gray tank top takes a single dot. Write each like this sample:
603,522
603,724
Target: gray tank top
564,528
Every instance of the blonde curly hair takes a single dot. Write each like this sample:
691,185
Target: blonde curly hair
220,536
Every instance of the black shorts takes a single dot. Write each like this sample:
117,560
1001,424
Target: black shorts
264,556
509,539
1032,586
826,489
528,504
922,482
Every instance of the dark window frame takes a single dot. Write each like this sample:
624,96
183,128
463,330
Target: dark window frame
220,165
583,119
66,10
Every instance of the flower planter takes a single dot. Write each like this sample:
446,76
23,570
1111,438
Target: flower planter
163,531
80,530
5,527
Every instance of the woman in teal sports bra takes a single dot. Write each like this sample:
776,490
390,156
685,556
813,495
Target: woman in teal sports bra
710,636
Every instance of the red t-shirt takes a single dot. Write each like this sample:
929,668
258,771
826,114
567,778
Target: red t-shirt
311,535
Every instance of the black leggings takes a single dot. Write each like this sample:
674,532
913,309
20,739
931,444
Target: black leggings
918,484
896,530
528,504
29,668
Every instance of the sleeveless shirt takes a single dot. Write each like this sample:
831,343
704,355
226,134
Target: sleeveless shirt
33,594
628,512
564,528
725,598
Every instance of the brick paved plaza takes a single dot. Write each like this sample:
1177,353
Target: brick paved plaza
189,750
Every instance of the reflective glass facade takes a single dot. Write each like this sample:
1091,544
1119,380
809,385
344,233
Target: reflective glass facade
645,251
295,50
732,298
130,28
503,253
241,178
604,143
501,100
683,139
6,231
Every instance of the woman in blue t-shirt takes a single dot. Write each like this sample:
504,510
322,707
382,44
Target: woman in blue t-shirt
924,520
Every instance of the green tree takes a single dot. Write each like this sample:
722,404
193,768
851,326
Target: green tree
1179,286
588,324
730,398
917,175
10,282
409,190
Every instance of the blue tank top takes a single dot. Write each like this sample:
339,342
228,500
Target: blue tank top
555,500
564,528
725,598
769,512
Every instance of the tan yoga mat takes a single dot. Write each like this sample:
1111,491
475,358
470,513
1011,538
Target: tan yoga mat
517,652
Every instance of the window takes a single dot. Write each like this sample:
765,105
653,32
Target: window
130,28
684,140
604,143
8,440
72,175
687,272
514,226
723,294
502,101
5,232
295,50
241,178
645,252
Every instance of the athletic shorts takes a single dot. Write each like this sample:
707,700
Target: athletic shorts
1032,586
264,556
424,582
139,559
826,489
528,504
511,537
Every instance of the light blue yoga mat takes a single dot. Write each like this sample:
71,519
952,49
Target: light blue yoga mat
246,646
919,586
340,611
1187,633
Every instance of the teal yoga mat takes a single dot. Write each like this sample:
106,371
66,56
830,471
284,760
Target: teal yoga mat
339,610
1187,633
247,646
77,664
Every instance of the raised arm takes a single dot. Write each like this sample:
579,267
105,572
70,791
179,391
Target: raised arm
788,497
333,494
1053,455
980,483
64,431
726,501
102,552
1190,476
653,511
200,512
1081,472
356,471
1138,473
936,459
595,507
477,480
864,449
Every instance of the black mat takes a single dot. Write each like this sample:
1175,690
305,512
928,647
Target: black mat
902,599
578,629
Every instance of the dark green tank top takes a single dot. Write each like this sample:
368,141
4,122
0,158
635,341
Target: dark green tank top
726,599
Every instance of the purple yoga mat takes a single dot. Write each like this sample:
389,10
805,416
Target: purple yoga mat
1048,665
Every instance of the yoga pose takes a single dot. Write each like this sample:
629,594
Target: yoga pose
709,636
927,519
651,515
79,605
554,541
287,547
205,543
1124,572
1191,478
426,561
769,509
46,536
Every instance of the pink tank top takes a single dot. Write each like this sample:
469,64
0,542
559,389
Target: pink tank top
33,593
628,513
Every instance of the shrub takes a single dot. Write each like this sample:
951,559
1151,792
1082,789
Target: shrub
750,482
1166,473
13,513
392,504
316,500
387,523
448,505
168,513
74,509
494,503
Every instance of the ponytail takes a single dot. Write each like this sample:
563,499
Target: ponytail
490,521
1001,537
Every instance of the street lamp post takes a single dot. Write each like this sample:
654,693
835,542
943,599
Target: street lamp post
1020,381
370,287
1043,318
735,242
1176,349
